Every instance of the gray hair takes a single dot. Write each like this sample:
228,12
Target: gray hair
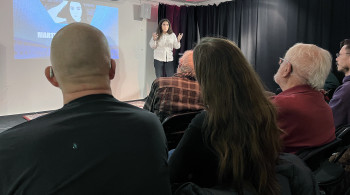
186,64
311,63
187,69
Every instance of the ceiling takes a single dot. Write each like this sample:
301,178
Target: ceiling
191,2
178,2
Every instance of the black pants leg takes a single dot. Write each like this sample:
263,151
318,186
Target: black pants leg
169,69
159,68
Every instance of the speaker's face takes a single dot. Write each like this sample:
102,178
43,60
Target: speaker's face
165,26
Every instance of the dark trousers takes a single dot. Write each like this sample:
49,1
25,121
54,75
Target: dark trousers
163,67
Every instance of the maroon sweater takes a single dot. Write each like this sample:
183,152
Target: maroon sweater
305,117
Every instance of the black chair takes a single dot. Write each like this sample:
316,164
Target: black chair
344,134
313,157
331,177
175,126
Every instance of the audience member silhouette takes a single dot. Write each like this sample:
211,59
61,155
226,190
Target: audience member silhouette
94,144
340,101
303,113
177,94
235,142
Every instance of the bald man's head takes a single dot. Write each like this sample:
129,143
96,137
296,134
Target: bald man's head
80,56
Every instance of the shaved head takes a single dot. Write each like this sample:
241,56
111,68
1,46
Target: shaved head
80,58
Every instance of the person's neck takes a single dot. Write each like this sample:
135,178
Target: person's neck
291,83
70,96
347,73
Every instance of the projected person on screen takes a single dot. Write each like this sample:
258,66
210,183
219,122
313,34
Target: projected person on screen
163,42
68,12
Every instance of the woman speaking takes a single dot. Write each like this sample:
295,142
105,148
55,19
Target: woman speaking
163,42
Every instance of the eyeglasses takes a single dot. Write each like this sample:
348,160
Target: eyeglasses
281,61
339,54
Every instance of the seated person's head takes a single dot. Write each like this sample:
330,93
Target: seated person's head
241,122
304,64
186,63
80,59
343,63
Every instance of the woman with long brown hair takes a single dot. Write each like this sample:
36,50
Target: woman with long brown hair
235,142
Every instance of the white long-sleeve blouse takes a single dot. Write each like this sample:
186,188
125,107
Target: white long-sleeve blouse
163,48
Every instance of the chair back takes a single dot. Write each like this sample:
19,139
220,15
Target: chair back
344,134
314,156
175,126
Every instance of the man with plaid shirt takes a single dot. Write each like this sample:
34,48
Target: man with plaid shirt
177,94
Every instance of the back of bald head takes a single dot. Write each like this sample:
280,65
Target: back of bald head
80,54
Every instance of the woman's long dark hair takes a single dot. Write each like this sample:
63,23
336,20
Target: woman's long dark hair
241,122
159,29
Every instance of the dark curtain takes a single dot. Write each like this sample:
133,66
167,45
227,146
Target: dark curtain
281,24
207,20
265,29
188,28
161,12
248,29
340,28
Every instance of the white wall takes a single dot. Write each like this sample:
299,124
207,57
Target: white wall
24,88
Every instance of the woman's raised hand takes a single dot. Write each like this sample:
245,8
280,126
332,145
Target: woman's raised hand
155,36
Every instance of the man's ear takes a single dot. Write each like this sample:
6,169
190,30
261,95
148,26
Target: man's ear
50,76
286,69
112,69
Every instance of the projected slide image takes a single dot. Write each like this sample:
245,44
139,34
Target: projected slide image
69,11
37,21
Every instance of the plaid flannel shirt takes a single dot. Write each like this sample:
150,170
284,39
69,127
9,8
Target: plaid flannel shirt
176,94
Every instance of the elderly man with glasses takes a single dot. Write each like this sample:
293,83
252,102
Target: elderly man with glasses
340,103
303,114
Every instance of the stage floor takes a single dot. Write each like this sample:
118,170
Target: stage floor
9,121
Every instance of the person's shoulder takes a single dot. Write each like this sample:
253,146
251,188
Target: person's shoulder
31,124
137,117
145,116
155,83
161,79
198,120
293,94
343,90
345,85
165,81
279,99
18,129
26,132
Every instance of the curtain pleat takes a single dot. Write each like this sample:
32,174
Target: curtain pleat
265,29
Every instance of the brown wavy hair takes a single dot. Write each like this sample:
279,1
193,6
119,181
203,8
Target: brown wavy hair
159,29
241,123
